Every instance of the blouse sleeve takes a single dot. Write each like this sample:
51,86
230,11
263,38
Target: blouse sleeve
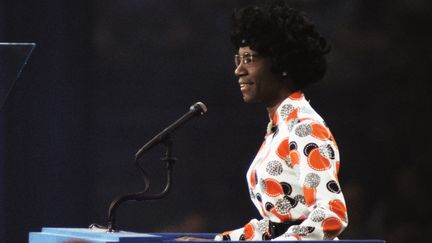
254,230
319,165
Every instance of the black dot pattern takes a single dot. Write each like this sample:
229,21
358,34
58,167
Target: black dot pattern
303,130
262,226
302,230
286,110
327,151
317,215
309,147
258,197
283,206
300,199
333,186
269,206
293,145
312,180
274,168
287,188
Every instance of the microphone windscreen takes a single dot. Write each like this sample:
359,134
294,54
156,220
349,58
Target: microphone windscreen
199,106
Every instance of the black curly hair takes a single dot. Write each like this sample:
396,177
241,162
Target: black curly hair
286,36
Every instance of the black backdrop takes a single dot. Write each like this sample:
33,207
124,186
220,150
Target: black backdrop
107,75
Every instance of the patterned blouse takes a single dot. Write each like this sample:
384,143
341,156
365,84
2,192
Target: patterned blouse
293,178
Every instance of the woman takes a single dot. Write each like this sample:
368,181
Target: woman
293,178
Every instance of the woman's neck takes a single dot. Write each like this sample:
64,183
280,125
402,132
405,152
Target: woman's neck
272,106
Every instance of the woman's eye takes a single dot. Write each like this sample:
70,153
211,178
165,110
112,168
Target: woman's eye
247,60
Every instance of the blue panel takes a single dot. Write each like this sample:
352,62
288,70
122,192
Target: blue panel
53,238
74,235
61,235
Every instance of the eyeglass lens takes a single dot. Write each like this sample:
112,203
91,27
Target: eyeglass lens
245,59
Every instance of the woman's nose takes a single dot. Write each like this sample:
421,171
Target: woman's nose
240,70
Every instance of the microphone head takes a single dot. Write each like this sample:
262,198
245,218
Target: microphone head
199,107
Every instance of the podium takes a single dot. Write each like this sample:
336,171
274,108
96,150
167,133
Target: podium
81,235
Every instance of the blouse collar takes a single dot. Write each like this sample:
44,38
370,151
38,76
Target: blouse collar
284,110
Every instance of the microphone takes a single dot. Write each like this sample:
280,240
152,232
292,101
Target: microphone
196,109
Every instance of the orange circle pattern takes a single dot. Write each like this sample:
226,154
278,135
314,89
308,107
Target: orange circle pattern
338,207
318,162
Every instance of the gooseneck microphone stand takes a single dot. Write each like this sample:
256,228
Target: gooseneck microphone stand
140,196
164,137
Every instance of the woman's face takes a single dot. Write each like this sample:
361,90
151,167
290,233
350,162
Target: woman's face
257,82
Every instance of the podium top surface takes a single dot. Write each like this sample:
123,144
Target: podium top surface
85,235
96,233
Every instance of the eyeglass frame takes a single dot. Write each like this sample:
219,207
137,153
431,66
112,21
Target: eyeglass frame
246,58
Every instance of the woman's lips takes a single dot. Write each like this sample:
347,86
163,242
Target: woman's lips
245,85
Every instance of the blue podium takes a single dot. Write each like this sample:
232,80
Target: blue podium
81,235
84,235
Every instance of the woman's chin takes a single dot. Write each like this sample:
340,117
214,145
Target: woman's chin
247,99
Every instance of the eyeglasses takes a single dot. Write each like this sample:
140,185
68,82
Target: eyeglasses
246,58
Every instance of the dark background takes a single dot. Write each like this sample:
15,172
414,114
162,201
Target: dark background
107,75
